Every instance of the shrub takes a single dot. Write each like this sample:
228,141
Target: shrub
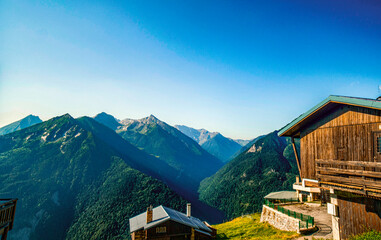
371,235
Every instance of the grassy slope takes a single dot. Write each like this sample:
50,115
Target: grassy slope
249,227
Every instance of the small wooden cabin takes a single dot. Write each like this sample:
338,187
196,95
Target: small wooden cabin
340,152
162,223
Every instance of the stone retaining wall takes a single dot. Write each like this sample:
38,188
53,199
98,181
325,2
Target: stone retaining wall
279,220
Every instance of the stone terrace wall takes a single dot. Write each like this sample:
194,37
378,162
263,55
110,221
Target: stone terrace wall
279,220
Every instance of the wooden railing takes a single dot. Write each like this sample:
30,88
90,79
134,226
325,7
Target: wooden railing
7,215
356,174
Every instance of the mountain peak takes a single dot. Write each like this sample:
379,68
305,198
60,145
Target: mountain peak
30,119
32,116
107,120
67,115
152,117
103,114
20,124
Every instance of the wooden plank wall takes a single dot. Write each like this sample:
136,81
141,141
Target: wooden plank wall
346,133
172,228
357,215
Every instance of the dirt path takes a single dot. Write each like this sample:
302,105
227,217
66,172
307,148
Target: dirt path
322,219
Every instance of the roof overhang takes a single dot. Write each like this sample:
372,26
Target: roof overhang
155,223
160,221
293,128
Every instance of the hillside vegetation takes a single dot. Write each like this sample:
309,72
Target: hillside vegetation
249,227
163,152
72,184
170,146
239,187
371,235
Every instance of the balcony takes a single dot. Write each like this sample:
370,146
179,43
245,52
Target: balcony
355,176
7,216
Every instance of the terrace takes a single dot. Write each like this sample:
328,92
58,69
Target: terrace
310,219
355,176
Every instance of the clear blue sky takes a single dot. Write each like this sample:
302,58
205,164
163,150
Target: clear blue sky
243,68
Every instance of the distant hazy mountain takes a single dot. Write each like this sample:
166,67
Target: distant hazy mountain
74,180
171,146
20,124
107,120
215,143
248,145
239,187
242,142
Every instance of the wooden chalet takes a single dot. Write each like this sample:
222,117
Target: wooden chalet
7,216
340,154
162,223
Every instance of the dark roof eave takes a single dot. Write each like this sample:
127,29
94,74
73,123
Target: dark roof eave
288,130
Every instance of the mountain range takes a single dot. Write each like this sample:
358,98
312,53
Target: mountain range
168,145
72,184
179,179
213,142
21,124
84,178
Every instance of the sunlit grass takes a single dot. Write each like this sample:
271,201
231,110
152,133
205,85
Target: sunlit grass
371,235
249,227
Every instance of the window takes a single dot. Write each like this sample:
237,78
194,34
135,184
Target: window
161,229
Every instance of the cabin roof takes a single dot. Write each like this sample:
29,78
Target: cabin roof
293,128
162,214
282,195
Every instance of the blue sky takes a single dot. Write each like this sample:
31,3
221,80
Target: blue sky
242,68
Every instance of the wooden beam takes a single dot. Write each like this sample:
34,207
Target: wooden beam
361,173
346,188
296,156
342,187
357,182
349,163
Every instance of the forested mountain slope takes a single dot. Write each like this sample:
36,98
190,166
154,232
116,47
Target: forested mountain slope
239,187
170,146
72,184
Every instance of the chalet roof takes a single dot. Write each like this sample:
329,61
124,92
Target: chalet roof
293,127
162,214
282,195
